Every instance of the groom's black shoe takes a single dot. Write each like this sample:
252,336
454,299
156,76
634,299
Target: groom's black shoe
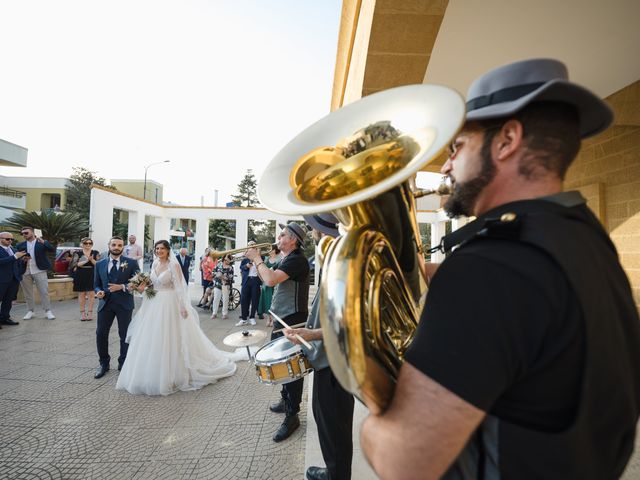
8,321
318,473
290,425
101,371
277,407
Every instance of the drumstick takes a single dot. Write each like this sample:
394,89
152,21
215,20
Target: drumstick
302,340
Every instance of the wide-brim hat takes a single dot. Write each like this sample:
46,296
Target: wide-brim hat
323,222
507,89
296,229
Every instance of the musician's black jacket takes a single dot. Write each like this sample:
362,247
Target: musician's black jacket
532,320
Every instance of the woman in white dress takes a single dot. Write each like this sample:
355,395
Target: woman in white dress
167,349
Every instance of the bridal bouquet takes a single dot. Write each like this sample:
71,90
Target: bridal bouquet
142,278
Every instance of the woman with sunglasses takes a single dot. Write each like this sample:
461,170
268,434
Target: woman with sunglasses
83,265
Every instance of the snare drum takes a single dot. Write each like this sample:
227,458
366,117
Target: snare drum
281,361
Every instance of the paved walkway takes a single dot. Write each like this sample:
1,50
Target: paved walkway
58,422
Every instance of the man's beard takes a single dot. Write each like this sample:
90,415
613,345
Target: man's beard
115,253
465,195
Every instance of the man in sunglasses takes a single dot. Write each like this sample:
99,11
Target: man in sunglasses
36,271
10,276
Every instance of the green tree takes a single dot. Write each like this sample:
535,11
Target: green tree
56,227
118,228
79,190
218,229
263,231
246,196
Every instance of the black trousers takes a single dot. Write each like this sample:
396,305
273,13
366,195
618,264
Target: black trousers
8,293
291,392
250,294
333,411
105,320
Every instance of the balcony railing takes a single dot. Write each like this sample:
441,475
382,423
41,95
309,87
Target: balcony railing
9,192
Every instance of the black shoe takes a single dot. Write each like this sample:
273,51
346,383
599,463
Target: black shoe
318,473
290,425
261,317
8,321
277,407
101,371
199,305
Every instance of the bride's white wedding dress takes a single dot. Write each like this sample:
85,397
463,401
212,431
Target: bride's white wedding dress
167,349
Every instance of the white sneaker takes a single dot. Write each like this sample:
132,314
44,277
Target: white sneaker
50,315
252,321
28,316
241,323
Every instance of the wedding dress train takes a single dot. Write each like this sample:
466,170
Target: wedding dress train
167,349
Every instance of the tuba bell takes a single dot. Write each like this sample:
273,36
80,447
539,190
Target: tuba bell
359,163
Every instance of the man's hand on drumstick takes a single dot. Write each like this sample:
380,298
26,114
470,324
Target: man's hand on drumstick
306,333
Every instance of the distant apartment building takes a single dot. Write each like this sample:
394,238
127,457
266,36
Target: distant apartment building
11,199
152,191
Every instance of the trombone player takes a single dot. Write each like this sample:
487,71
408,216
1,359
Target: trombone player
535,373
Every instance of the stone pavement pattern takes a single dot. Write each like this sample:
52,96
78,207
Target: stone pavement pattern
58,422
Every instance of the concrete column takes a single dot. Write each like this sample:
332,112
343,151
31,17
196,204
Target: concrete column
457,223
160,229
242,232
278,229
437,232
100,221
136,226
202,236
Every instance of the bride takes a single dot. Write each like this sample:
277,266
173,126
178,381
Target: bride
167,349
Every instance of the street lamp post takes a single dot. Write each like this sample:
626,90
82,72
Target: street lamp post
144,190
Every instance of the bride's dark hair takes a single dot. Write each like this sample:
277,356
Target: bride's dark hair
164,243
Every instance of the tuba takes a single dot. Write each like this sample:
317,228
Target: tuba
359,163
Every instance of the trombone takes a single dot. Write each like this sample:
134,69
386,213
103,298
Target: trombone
216,254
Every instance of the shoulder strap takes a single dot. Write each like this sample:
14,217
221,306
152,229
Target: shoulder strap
506,222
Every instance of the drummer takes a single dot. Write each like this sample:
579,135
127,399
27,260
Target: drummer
332,405
290,302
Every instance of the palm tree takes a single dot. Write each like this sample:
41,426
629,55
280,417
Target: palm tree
56,227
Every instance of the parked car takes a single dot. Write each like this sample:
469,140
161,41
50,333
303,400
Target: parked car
63,258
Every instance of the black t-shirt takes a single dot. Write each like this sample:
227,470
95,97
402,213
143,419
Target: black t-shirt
503,330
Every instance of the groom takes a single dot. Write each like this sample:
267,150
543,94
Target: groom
112,275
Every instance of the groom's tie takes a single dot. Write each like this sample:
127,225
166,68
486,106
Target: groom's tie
113,274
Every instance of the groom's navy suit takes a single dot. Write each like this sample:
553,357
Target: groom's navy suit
118,304
10,275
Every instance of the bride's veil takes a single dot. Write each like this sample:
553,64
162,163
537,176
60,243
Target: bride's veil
182,289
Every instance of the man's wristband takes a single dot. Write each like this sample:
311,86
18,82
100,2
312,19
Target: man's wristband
258,264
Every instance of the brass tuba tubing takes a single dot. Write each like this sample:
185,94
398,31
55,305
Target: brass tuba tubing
215,254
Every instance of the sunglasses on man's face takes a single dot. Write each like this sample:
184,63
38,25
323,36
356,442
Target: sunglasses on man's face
87,243
26,232
5,238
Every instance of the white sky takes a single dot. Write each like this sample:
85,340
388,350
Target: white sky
214,86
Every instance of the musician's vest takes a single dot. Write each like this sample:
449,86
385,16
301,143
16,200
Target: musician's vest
601,439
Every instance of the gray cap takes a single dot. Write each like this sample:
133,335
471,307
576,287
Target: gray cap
507,89
323,222
296,229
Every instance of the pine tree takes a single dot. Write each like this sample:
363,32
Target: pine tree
246,196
